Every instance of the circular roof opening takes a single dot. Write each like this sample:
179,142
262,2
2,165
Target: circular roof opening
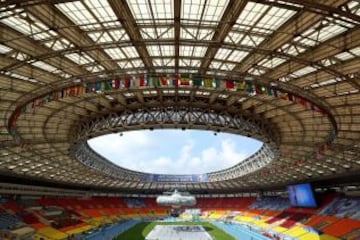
175,151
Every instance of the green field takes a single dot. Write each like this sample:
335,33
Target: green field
141,230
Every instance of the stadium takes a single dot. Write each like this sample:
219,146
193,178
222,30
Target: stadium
285,73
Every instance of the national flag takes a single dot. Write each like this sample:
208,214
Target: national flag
229,84
147,80
142,81
217,83
284,96
80,89
163,81
155,81
108,85
127,82
184,81
269,91
97,86
240,86
175,81
291,97
116,83
316,108
72,91
197,81
38,102
249,86
300,100
274,91
208,83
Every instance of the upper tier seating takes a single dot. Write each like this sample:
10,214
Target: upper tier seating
8,221
343,207
134,202
271,203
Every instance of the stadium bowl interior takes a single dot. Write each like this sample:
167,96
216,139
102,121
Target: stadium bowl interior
282,72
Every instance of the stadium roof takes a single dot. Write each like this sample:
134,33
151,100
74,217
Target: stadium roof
285,72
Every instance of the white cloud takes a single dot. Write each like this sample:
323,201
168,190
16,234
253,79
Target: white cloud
173,152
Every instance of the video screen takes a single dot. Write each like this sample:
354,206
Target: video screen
301,195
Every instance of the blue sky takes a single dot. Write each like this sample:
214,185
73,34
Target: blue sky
175,151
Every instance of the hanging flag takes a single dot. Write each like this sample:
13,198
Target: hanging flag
175,81
97,86
107,85
155,81
197,81
291,97
274,92
208,83
217,83
184,81
142,81
163,81
147,80
300,100
87,87
316,109
229,84
259,89
80,89
269,91
249,86
116,83
284,96
240,86
71,91
127,82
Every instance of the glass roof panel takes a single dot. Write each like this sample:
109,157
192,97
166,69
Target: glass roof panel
293,50
157,33
344,56
274,18
210,11
215,64
303,71
29,25
190,51
119,34
115,53
237,56
59,44
167,50
4,49
100,37
95,68
79,58
196,33
45,66
145,11
271,63
259,20
103,11
322,31
227,66
130,52
124,64
222,53
137,63
355,51
251,14
195,63
77,12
